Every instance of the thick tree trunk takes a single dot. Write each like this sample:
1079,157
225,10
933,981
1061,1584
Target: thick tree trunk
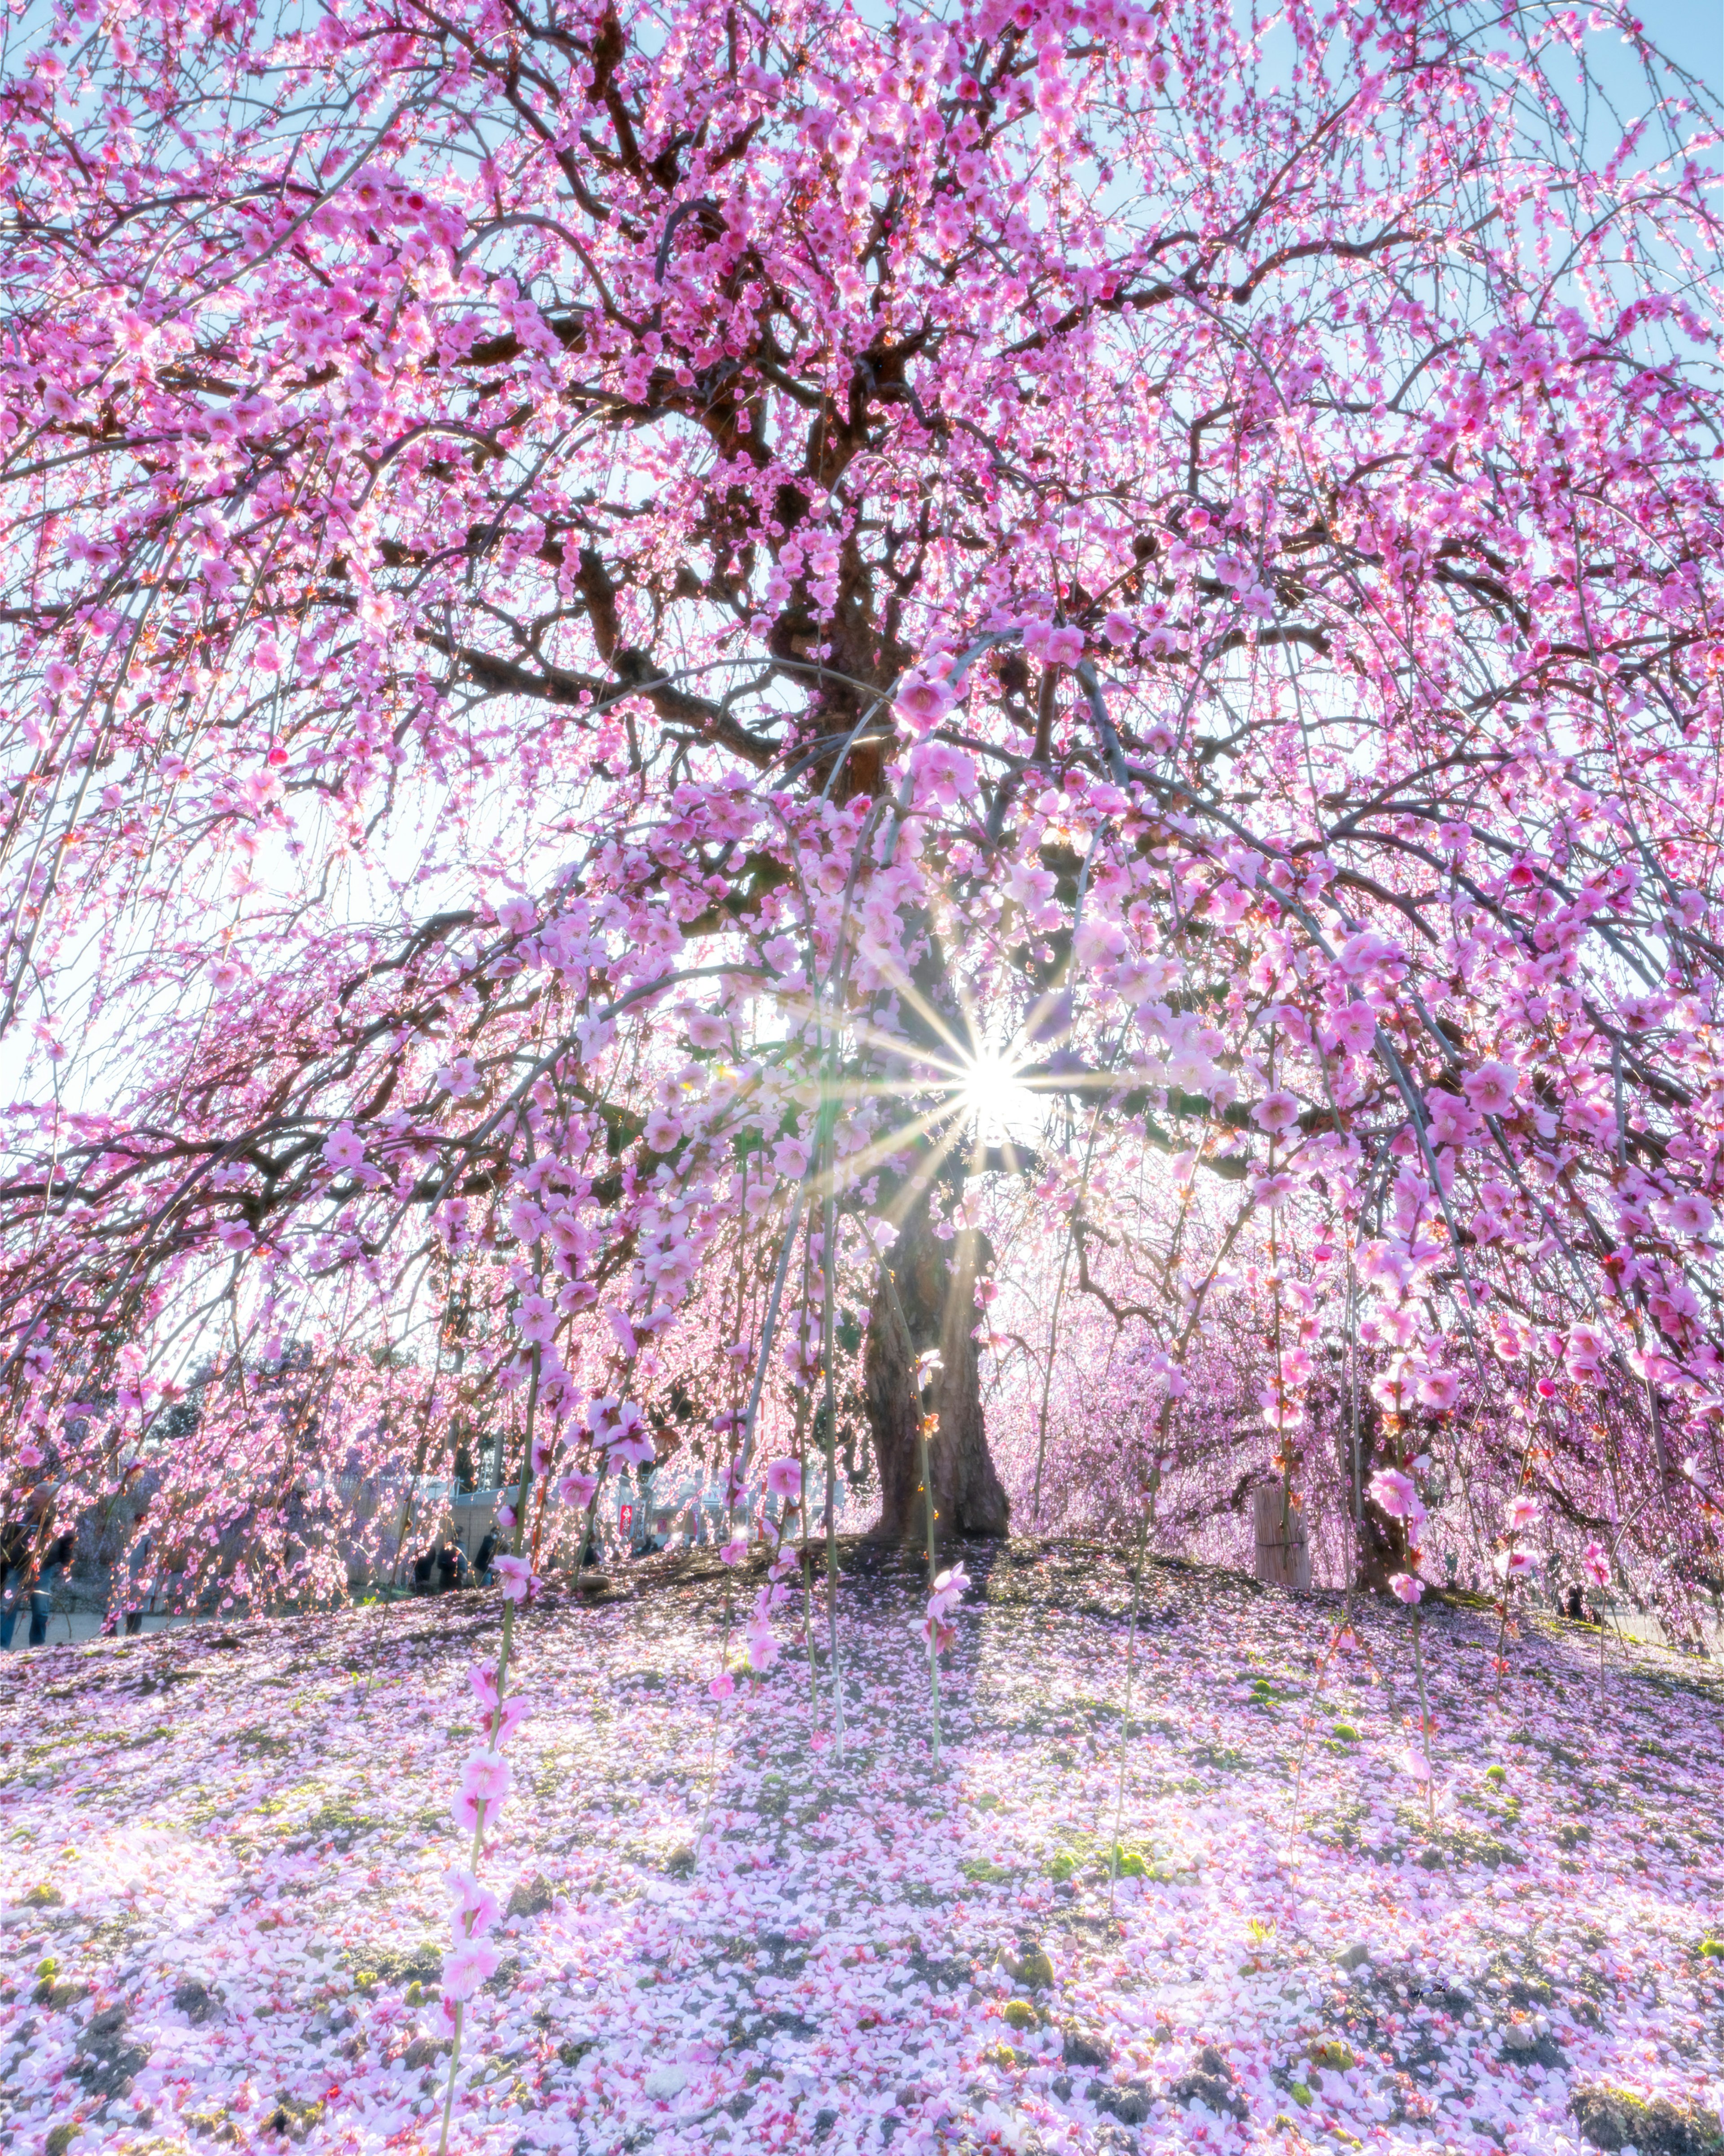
926,1298
1380,1548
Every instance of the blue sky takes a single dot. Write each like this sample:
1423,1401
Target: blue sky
1691,31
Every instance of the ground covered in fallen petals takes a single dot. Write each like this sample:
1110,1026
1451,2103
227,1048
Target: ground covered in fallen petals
222,1859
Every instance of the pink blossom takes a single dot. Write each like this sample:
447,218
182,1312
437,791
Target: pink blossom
1397,1494
485,1778
1490,1089
1353,1027
476,1907
535,1318
948,1591
1276,1111
1520,1512
515,1711
1404,1584
468,1966
1689,1214
1362,952
1440,1389
923,703
784,1478
1452,1122
577,1489
343,1149
1062,646
1595,1563
459,1078
516,1577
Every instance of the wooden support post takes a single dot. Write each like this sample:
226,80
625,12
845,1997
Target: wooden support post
1283,1555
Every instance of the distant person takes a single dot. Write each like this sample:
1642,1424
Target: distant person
482,1563
15,1566
136,1564
423,1567
451,1567
55,1564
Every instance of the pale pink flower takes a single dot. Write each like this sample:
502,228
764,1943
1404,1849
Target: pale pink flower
1276,1111
535,1319
923,703
949,1590
722,1685
1404,1584
1490,1089
791,1157
485,1779
784,1479
516,1577
1452,1121
1440,1389
515,1711
1595,1563
459,1078
577,1489
1397,1494
1352,1029
1363,951
476,1907
467,1967
1689,1214
1520,1512
344,1149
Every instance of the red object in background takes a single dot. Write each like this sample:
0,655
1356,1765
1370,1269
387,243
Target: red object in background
625,1518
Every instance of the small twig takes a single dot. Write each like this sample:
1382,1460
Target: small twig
1424,1725
1119,1802
933,1628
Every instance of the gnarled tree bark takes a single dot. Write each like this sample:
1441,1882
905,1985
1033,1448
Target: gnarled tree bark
925,1298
